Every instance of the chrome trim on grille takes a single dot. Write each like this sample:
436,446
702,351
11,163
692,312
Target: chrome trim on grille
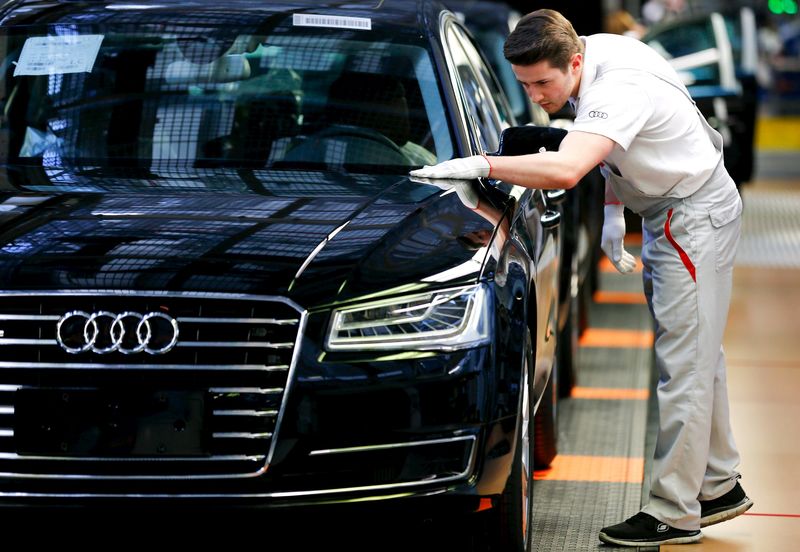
284,494
386,446
113,460
205,319
6,409
241,435
134,293
258,413
247,390
301,328
135,367
261,459
162,477
53,317
235,344
277,368
10,341
265,345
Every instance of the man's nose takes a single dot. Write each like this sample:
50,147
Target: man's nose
534,94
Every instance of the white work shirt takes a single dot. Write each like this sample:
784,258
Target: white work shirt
630,94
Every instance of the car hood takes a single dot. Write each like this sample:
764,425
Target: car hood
312,236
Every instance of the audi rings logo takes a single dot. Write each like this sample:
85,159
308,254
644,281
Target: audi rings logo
598,115
105,332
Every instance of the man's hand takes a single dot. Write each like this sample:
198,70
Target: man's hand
611,240
475,166
464,190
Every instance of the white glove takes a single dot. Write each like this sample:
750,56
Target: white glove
464,190
611,240
475,166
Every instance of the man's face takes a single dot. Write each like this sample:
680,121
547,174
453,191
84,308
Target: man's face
548,86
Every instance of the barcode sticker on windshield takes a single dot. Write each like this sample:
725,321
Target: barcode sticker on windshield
56,55
336,21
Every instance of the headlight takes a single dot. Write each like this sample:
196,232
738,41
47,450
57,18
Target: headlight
446,319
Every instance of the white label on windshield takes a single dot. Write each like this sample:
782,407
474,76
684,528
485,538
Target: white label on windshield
56,55
337,21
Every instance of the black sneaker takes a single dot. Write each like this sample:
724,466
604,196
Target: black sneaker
725,507
643,529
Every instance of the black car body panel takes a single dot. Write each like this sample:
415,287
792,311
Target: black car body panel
243,242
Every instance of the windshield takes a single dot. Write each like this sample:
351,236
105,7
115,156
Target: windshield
177,96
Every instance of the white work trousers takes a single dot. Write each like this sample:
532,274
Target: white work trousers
688,253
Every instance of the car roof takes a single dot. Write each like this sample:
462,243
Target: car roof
400,15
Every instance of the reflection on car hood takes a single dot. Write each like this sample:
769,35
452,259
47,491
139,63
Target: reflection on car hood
313,236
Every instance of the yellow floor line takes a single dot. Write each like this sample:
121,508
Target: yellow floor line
778,133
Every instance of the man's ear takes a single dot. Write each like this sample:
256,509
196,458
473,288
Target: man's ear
576,61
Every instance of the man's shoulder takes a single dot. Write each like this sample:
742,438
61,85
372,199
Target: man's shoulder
608,40
611,38
618,52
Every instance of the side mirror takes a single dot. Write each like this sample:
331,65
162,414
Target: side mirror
529,139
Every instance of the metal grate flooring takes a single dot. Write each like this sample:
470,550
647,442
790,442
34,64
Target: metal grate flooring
573,519
770,229
569,513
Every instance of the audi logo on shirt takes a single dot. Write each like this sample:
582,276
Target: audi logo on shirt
104,332
598,115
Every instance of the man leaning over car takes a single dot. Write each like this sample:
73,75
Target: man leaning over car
660,158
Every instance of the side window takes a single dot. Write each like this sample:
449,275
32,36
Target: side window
495,93
474,92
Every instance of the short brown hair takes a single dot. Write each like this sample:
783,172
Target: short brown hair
543,35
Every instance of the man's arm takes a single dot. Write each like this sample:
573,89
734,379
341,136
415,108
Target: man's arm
578,154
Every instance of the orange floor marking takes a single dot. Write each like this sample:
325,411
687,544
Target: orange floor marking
610,393
606,266
620,297
633,239
605,337
611,469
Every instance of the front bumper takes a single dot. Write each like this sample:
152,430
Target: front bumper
351,427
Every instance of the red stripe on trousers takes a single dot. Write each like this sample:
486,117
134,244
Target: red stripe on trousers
687,262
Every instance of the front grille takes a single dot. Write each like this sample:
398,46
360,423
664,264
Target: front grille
232,360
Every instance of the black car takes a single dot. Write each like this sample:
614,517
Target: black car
219,283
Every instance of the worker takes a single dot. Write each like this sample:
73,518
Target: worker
635,119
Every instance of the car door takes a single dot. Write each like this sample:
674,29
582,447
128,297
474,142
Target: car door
534,220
